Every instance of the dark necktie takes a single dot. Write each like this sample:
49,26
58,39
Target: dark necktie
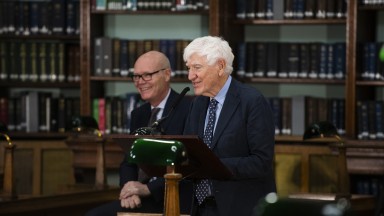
202,187
142,177
153,118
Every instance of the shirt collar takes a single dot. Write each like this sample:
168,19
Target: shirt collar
220,97
163,102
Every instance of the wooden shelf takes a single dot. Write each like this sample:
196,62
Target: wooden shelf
293,80
40,37
152,12
292,22
29,84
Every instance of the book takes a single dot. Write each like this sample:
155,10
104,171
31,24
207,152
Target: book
58,16
275,103
286,116
124,63
250,57
34,61
241,8
323,61
14,59
362,120
44,114
4,110
331,9
379,109
283,60
314,52
132,54
321,8
250,9
43,62
241,59
293,60
116,57
70,22
272,59
298,111
309,11
304,60
22,65
52,62
260,59
34,16
103,56
60,60
339,60
45,21
31,110
278,9
4,62
260,8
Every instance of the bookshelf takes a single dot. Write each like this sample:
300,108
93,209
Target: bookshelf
136,26
364,161
39,53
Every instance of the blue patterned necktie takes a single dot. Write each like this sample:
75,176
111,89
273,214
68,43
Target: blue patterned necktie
202,187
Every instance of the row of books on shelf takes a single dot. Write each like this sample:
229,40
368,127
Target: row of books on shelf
371,2
142,5
370,123
291,9
116,57
372,67
113,114
33,111
293,114
367,185
313,60
37,17
33,61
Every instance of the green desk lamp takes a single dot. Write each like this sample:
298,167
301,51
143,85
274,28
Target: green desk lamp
167,153
324,129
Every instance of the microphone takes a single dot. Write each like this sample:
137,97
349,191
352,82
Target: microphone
176,102
153,129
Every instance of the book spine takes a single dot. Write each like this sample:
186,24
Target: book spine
116,57
58,16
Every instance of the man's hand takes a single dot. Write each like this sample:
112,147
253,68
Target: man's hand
134,188
131,202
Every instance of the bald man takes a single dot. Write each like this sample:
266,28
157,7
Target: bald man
152,75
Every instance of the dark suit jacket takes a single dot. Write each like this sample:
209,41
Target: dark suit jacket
244,142
172,125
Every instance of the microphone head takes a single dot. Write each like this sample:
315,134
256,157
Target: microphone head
143,131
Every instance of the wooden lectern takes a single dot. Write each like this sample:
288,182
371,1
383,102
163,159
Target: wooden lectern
200,162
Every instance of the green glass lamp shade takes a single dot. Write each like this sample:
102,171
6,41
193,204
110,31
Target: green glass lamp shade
381,53
157,152
84,123
319,130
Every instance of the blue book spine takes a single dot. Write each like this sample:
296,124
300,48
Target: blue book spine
241,62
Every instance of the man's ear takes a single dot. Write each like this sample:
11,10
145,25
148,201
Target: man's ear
167,74
221,64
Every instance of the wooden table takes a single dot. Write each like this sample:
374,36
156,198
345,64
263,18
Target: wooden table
74,203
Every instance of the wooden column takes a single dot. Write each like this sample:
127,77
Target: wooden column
8,181
171,202
101,180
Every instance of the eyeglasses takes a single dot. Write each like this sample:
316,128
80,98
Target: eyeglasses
145,76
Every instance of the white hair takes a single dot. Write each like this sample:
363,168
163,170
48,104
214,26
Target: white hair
213,48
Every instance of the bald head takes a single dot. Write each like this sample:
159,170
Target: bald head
157,65
155,58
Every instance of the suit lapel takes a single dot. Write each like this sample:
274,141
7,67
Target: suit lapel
230,105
